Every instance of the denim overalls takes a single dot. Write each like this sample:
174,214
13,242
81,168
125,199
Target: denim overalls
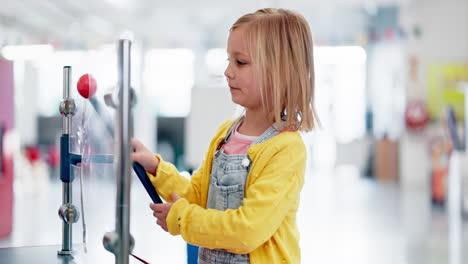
226,191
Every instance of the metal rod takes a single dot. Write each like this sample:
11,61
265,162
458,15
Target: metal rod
66,185
123,164
67,232
67,71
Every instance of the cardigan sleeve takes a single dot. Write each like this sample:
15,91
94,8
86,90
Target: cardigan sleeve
168,180
267,201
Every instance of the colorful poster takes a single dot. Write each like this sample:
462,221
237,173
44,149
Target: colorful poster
444,88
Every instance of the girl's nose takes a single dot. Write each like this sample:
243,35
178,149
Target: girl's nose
229,73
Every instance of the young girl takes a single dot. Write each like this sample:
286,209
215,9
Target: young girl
240,206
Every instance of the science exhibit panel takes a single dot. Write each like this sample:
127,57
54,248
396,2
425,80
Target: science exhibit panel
95,144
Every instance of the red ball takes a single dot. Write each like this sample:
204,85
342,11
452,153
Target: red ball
87,85
32,153
416,116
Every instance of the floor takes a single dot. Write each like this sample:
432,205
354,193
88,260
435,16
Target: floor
343,218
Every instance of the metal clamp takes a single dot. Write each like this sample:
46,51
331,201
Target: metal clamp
112,242
69,213
67,107
111,99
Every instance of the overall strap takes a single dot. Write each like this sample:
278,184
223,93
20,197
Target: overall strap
269,133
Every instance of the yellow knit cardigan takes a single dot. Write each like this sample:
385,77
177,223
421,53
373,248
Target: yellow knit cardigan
264,226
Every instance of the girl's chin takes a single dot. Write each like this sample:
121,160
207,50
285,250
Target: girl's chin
235,100
238,102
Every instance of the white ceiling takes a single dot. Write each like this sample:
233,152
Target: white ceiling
84,23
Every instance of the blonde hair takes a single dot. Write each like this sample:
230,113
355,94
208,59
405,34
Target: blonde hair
281,50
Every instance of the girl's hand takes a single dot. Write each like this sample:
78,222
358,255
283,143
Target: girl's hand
160,211
144,156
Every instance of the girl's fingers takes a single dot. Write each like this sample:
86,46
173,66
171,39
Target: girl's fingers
162,224
160,207
138,156
136,143
159,222
160,212
161,215
133,156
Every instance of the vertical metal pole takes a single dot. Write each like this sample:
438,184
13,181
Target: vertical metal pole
67,186
123,164
67,211
454,208
67,71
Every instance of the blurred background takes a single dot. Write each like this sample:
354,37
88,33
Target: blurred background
386,180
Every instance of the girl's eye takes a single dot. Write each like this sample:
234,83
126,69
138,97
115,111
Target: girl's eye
237,61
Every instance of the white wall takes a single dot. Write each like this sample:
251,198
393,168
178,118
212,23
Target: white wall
444,38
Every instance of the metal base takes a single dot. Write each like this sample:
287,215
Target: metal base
36,254
64,252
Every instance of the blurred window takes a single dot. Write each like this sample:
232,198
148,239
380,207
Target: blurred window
340,81
168,78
